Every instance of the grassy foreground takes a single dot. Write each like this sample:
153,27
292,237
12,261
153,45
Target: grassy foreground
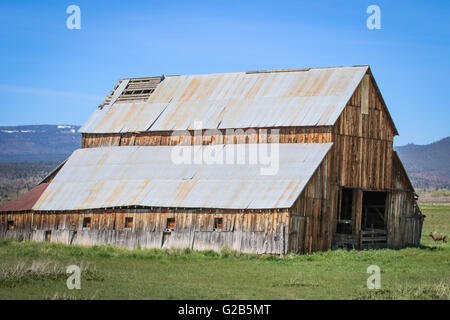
37,271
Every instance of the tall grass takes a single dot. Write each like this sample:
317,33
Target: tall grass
57,251
410,273
13,274
424,291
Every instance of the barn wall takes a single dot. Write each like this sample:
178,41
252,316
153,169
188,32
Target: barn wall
22,225
364,159
405,219
361,158
233,136
363,142
253,232
312,215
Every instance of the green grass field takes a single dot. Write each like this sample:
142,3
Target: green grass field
37,271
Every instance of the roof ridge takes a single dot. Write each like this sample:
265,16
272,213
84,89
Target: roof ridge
304,69
254,71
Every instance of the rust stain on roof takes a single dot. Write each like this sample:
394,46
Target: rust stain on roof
116,193
146,176
26,201
183,190
236,100
93,193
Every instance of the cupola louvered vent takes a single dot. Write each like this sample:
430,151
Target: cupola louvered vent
133,90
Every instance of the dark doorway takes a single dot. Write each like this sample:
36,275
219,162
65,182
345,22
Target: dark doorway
48,236
373,210
343,237
170,226
344,223
165,238
73,237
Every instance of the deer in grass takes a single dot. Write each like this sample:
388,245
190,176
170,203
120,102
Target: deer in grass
438,237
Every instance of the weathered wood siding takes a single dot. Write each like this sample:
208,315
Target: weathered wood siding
22,225
363,142
364,159
253,232
312,216
404,218
208,137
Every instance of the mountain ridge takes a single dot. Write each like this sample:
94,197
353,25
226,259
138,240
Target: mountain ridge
428,166
33,143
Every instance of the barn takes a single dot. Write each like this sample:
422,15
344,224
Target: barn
276,162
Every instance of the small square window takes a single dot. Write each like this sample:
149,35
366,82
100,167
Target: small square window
171,223
10,224
128,222
87,222
218,223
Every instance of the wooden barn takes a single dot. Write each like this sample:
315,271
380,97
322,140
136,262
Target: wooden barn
326,133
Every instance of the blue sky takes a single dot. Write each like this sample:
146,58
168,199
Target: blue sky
52,75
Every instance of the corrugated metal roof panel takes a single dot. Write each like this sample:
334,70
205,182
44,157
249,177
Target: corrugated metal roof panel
236,100
147,176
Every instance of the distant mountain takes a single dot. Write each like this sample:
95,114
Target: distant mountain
38,143
428,166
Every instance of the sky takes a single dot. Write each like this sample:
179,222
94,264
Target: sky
50,74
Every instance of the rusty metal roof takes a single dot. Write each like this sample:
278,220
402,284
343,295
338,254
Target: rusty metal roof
146,176
302,97
26,201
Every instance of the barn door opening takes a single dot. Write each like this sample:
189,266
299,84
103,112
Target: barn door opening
165,238
373,220
297,234
373,210
48,236
343,237
170,227
344,222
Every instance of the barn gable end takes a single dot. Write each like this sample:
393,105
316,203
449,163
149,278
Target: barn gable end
365,140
